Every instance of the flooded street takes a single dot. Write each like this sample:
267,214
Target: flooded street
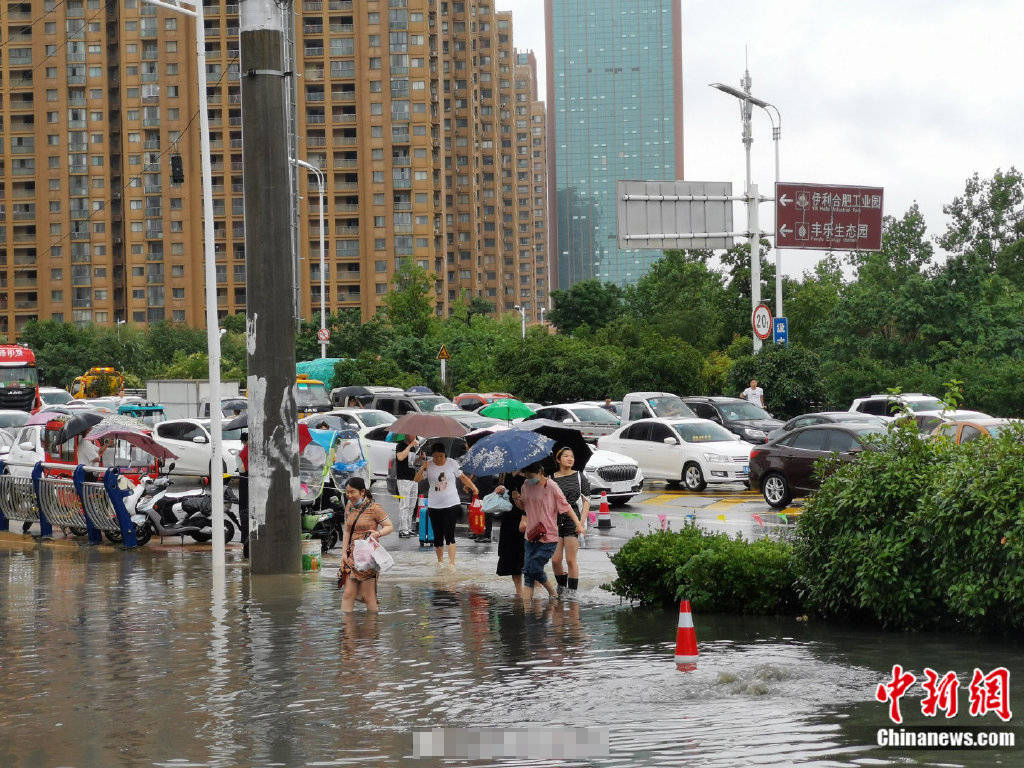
120,658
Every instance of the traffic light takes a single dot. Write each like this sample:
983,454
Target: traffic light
177,171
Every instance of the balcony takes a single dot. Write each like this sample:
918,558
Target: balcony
313,53
345,162
24,216
312,5
343,117
26,304
345,29
340,5
25,282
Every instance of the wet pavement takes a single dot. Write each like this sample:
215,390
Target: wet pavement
114,658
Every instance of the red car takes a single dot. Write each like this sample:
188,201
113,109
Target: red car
784,467
470,401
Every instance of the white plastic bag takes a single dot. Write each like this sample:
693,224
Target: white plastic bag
381,556
362,555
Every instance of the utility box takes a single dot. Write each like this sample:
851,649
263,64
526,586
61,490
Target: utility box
181,398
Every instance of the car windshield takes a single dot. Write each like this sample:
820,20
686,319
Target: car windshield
928,404
376,418
708,432
428,404
743,411
595,415
669,406
19,376
13,419
55,398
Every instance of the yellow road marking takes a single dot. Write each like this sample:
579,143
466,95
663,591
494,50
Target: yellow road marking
725,503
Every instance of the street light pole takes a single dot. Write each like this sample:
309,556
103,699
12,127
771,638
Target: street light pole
542,311
194,8
323,255
747,100
522,313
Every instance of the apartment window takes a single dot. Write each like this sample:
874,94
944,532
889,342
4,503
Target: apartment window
376,108
380,266
379,221
178,293
172,46
375,62
177,270
170,23
380,244
374,41
373,18
376,131
172,69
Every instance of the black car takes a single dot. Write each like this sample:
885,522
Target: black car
749,421
784,468
829,417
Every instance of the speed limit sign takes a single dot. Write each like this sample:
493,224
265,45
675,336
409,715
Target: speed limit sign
762,320
324,334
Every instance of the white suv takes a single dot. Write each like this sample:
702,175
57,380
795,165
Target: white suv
925,408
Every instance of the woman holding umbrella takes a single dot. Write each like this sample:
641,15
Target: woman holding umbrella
444,506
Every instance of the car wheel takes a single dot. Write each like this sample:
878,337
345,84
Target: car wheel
693,477
619,501
776,490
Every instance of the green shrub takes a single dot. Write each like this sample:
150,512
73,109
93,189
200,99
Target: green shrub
714,572
918,534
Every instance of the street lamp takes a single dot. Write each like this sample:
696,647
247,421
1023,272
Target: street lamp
522,313
323,257
542,311
194,8
776,120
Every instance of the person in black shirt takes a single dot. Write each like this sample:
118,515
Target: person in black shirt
577,492
408,488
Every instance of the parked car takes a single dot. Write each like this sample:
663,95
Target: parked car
54,396
229,407
749,421
190,441
693,452
653,405
343,397
471,401
784,468
966,430
886,405
590,419
399,404
619,476
472,421
6,442
349,418
11,420
828,417
928,422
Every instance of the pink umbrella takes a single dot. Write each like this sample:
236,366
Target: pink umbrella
42,417
139,439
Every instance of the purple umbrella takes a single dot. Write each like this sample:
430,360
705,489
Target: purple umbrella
135,437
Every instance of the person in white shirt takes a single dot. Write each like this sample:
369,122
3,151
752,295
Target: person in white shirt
754,394
443,503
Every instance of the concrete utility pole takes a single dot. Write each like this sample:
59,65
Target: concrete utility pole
270,327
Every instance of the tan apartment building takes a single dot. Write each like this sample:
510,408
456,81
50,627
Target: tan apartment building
421,114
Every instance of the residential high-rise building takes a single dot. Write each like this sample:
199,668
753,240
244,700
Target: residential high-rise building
615,112
422,115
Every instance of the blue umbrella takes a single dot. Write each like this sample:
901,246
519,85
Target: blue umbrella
505,451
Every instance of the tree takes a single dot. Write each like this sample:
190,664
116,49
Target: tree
589,301
790,376
409,305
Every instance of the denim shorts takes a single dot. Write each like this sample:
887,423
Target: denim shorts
535,558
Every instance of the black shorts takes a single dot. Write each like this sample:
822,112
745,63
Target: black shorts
443,521
566,527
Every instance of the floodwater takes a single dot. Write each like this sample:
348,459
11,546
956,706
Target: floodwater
114,658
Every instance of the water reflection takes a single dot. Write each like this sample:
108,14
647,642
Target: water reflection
133,659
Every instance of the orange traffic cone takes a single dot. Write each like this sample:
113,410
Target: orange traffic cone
686,639
604,514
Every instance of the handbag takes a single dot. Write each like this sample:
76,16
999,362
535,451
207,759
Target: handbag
496,503
536,533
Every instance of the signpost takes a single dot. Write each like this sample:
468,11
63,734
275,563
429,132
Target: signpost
444,356
828,217
761,319
324,335
781,331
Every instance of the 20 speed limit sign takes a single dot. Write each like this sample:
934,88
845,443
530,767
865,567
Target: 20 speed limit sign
762,321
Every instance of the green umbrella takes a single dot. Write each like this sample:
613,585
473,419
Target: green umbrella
506,409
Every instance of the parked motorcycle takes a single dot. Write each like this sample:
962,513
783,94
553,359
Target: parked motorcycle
158,509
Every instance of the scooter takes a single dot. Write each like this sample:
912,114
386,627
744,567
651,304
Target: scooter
186,513
329,513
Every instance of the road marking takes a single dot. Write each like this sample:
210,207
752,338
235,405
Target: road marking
726,503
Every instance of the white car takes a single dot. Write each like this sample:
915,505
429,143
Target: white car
379,450
189,440
694,452
617,475
349,418
12,420
54,396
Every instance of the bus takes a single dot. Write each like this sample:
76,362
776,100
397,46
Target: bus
19,382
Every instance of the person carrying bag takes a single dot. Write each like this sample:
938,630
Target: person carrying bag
358,577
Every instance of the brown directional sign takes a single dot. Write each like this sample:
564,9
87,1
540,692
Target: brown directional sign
828,217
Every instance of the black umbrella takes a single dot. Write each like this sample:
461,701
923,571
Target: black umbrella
239,422
564,437
78,424
342,395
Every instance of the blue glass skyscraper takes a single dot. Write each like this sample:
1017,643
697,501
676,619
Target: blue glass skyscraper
615,111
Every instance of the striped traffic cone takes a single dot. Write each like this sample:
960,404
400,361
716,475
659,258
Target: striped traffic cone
604,513
686,639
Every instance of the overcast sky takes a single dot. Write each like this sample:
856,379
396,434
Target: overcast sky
909,95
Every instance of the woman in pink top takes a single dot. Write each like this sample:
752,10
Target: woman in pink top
542,500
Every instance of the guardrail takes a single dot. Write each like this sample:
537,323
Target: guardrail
89,499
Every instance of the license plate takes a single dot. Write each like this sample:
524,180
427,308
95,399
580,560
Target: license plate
746,468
